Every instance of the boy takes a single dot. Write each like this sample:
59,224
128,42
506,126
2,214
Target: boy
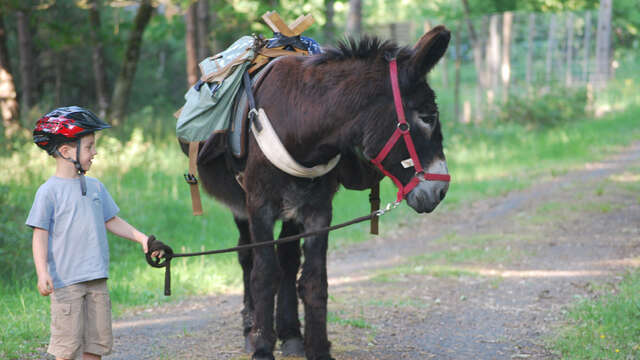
69,216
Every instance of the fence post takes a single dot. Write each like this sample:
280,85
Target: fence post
603,42
493,58
456,89
550,46
587,47
530,34
568,77
505,71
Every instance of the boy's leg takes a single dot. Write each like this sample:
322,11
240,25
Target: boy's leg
98,338
67,321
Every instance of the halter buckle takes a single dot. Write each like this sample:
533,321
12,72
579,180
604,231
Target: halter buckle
404,127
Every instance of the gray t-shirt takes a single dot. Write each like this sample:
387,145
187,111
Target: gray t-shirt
78,249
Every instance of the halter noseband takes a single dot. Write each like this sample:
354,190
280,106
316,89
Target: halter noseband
403,130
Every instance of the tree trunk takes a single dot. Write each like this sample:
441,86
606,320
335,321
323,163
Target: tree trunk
8,97
26,60
505,68
586,46
531,28
191,44
354,20
100,78
477,60
569,77
204,50
123,84
603,43
329,28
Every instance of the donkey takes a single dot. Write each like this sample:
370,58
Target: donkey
338,102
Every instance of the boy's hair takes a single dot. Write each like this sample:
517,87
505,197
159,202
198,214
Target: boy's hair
65,125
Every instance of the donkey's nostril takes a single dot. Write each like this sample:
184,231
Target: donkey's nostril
442,194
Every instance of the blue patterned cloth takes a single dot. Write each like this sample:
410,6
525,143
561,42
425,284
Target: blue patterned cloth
300,42
312,46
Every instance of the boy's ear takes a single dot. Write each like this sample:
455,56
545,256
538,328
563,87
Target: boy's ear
66,149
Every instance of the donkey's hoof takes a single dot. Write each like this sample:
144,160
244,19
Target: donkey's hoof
292,347
248,347
262,356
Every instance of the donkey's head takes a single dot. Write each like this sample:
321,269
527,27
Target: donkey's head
421,175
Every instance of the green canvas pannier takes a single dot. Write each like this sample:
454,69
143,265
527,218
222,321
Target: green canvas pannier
209,103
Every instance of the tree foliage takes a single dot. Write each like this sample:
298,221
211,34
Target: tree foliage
62,49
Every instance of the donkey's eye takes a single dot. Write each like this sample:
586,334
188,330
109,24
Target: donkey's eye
429,118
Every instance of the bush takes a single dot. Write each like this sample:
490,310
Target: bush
16,261
555,107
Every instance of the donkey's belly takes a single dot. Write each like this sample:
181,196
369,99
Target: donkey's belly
222,185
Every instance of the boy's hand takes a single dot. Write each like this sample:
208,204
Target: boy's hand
145,246
45,284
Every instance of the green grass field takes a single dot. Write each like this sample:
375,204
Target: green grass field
144,176
606,328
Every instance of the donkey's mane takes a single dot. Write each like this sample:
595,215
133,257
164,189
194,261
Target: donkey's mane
368,47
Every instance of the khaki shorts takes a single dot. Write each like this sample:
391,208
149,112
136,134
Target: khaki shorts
81,320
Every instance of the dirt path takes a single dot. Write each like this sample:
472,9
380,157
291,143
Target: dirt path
488,281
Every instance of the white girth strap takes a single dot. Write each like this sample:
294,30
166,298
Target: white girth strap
275,151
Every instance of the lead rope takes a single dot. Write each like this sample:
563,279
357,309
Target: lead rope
154,244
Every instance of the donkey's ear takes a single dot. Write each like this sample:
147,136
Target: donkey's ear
428,51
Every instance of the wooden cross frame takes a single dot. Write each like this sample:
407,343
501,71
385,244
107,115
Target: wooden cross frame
277,25
275,22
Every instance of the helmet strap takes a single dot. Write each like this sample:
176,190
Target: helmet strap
81,171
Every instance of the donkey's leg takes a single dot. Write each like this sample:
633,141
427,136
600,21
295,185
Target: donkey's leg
245,257
313,288
287,322
265,277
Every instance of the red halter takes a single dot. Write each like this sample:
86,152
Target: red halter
403,130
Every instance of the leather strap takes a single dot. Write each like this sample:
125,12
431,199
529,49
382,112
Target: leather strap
192,180
275,52
374,200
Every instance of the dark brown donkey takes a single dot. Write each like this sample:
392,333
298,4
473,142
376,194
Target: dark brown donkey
338,102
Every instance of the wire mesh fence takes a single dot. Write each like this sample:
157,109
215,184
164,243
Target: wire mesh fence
518,53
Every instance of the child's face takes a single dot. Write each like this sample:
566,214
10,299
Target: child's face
87,151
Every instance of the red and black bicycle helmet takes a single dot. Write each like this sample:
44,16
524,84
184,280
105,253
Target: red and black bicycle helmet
64,125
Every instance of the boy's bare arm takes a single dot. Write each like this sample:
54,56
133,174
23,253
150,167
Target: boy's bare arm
119,227
40,245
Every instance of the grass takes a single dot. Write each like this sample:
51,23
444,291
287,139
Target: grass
605,328
337,318
145,179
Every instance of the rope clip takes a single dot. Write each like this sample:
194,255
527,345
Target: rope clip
387,208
